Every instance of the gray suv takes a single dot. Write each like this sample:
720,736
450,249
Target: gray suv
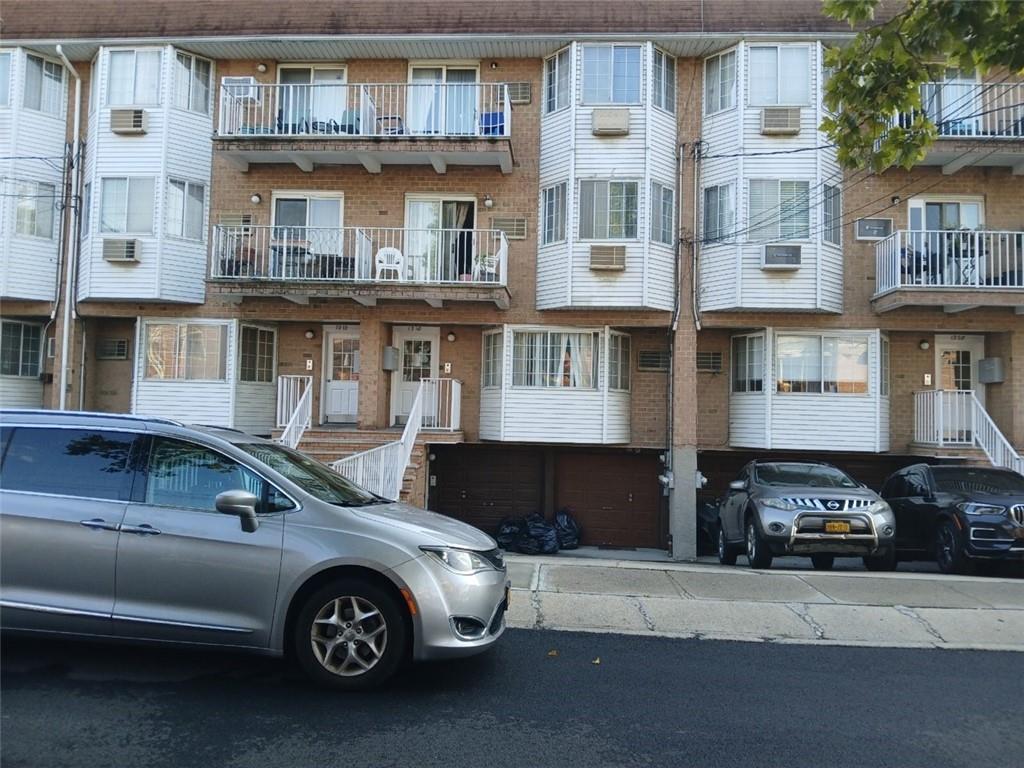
777,508
143,529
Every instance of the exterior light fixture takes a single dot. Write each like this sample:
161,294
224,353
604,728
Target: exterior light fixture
451,337
488,201
494,65
923,344
310,334
256,198
261,67
895,199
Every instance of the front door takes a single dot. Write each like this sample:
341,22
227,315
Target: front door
418,348
956,360
341,382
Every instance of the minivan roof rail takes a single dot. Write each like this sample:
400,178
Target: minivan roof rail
93,414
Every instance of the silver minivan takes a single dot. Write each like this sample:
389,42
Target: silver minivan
144,529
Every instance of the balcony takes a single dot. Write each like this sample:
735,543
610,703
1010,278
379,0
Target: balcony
372,125
977,124
361,263
957,270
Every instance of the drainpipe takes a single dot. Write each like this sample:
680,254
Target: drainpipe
69,266
676,309
695,246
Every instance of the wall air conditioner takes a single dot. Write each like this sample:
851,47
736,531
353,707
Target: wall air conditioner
121,251
608,258
520,93
609,122
128,122
780,121
242,88
781,257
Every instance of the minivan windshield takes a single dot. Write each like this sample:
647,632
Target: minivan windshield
311,476
962,480
813,475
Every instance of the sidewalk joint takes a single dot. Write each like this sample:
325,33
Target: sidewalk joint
910,613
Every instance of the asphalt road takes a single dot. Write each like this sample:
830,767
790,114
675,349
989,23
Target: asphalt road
649,702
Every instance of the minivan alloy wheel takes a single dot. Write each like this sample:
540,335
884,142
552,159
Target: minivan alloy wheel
349,636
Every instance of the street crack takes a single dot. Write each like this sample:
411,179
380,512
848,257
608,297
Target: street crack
643,613
910,613
801,610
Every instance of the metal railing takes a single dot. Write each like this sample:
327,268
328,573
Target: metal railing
971,110
294,400
956,418
352,110
359,254
442,404
982,259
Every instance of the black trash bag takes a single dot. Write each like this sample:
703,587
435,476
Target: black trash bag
567,529
510,529
543,532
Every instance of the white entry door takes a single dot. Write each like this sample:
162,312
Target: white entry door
341,384
418,348
956,361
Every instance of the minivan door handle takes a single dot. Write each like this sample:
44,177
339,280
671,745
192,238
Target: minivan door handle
143,530
100,525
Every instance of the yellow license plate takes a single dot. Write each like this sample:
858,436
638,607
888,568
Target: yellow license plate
837,526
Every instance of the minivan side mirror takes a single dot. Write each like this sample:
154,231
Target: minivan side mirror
243,505
738,485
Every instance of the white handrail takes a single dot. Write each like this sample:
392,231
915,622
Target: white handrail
993,442
301,416
951,418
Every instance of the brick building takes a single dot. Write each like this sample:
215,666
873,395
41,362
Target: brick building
589,252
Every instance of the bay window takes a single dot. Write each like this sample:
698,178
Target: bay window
185,202
553,204
663,213
126,205
748,363
33,209
664,85
492,362
611,74
256,356
20,345
44,85
819,364
720,82
133,78
779,210
192,83
555,359
719,213
779,75
608,210
618,361
185,351
557,70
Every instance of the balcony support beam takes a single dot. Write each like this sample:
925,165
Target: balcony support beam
300,299
435,303
952,309
304,163
957,163
370,163
1018,169
237,162
439,163
505,162
366,301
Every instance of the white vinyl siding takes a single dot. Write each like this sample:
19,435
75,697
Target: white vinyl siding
192,83
133,78
608,210
556,81
34,206
126,205
779,210
832,215
779,75
720,83
184,209
553,206
185,351
44,85
664,81
611,74
719,213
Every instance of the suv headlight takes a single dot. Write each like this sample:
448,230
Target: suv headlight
879,507
461,561
974,508
776,503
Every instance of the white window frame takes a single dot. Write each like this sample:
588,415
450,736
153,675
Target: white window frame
175,221
780,76
823,339
620,361
5,78
725,225
547,377
307,195
557,81
51,96
884,369
32,197
663,228
27,368
86,212
594,235
722,100
663,81
553,213
609,94
749,342
492,359
188,89
181,360
135,100
832,214
770,228
269,366
129,198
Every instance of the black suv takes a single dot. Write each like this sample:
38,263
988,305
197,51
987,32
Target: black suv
957,515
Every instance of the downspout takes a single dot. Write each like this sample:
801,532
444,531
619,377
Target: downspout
695,246
676,309
69,271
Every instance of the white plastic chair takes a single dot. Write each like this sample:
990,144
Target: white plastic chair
485,268
390,259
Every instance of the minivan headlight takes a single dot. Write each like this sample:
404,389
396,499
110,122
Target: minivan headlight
974,508
777,503
459,560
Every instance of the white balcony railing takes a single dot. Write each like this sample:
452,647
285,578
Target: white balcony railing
442,404
342,110
294,407
956,418
949,259
360,254
972,110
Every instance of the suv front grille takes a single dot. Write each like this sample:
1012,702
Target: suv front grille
830,505
1017,513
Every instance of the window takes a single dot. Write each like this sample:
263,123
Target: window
822,364
779,75
873,229
256,361
493,345
190,476
554,359
748,364
883,373
86,212
654,360
556,81
618,361
186,351
20,345
126,205
832,215
663,213
133,78
192,83
69,462
5,79
611,74
553,202
33,212
779,210
664,84
709,361
44,85
185,201
720,83
608,210
111,348
311,476
719,213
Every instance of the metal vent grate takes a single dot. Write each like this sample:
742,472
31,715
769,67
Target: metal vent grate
653,360
610,258
709,362
520,93
514,227
108,348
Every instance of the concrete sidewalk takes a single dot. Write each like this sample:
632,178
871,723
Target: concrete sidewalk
900,610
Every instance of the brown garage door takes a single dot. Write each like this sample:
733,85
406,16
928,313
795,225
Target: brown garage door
482,484
615,497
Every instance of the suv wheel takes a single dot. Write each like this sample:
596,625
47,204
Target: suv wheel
823,562
758,554
949,549
350,634
726,552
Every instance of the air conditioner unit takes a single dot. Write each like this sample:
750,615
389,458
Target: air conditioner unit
609,122
780,121
781,257
520,93
128,122
124,251
608,258
242,88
